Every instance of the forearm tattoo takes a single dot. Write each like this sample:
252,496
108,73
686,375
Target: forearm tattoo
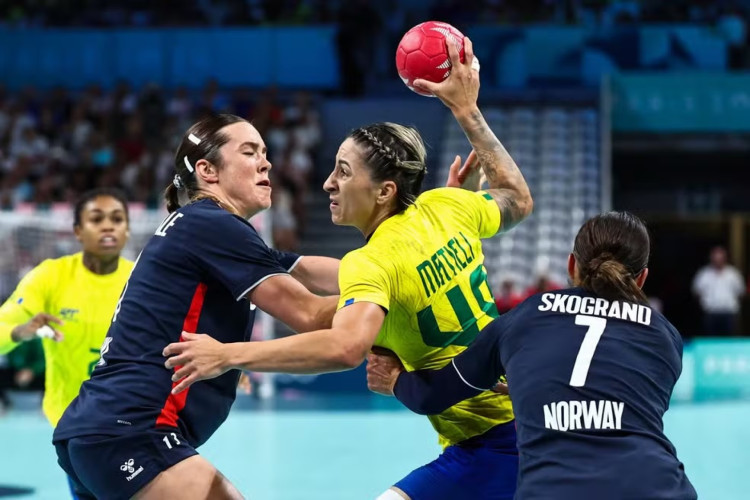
507,185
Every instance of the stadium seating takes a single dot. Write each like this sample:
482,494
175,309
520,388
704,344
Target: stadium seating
558,150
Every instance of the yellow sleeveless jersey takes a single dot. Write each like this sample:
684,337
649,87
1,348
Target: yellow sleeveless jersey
85,301
424,266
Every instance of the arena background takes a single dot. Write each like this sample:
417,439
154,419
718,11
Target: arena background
640,106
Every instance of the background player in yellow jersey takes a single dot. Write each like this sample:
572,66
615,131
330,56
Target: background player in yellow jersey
75,295
418,287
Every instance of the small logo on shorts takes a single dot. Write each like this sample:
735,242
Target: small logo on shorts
129,468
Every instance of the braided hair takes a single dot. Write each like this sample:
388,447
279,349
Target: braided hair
394,152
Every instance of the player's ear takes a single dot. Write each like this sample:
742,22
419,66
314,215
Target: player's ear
388,191
640,279
572,267
77,232
207,171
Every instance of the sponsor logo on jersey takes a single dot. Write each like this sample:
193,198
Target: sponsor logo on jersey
68,313
129,468
349,302
578,415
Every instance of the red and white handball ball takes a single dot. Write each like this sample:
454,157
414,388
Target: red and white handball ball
422,53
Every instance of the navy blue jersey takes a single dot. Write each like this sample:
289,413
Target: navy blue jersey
590,381
192,275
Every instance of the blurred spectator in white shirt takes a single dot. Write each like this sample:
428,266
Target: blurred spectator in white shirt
29,144
719,287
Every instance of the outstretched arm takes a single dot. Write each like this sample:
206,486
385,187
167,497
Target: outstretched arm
460,92
341,347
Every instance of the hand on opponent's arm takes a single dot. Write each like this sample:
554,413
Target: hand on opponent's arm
196,357
383,369
429,392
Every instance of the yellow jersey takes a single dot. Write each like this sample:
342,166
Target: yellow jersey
85,301
424,266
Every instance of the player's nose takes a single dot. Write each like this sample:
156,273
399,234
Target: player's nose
329,185
265,166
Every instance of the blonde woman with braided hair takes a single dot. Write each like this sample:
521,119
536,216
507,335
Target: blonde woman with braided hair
417,288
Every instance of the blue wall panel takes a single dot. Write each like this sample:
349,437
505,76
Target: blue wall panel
139,56
535,56
256,57
232,56
303,57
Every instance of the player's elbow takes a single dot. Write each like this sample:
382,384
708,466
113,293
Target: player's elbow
349,355
321,314
525,204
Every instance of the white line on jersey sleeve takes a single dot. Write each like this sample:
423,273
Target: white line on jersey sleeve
453,362
264,278
295,264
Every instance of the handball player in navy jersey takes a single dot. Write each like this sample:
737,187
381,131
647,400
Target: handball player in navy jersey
590,371
204,269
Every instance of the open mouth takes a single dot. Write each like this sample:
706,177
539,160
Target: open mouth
108,241
265,183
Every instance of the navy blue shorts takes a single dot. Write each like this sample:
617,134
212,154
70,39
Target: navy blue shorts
483,467
116,467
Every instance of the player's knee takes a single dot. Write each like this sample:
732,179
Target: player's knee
393,494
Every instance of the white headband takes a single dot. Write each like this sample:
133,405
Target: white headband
195,140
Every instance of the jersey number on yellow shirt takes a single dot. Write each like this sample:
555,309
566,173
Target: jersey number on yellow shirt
428,325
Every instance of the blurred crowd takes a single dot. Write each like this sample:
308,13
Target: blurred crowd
141,13
57,144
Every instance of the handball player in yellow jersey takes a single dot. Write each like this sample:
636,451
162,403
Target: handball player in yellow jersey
70,300
418,288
